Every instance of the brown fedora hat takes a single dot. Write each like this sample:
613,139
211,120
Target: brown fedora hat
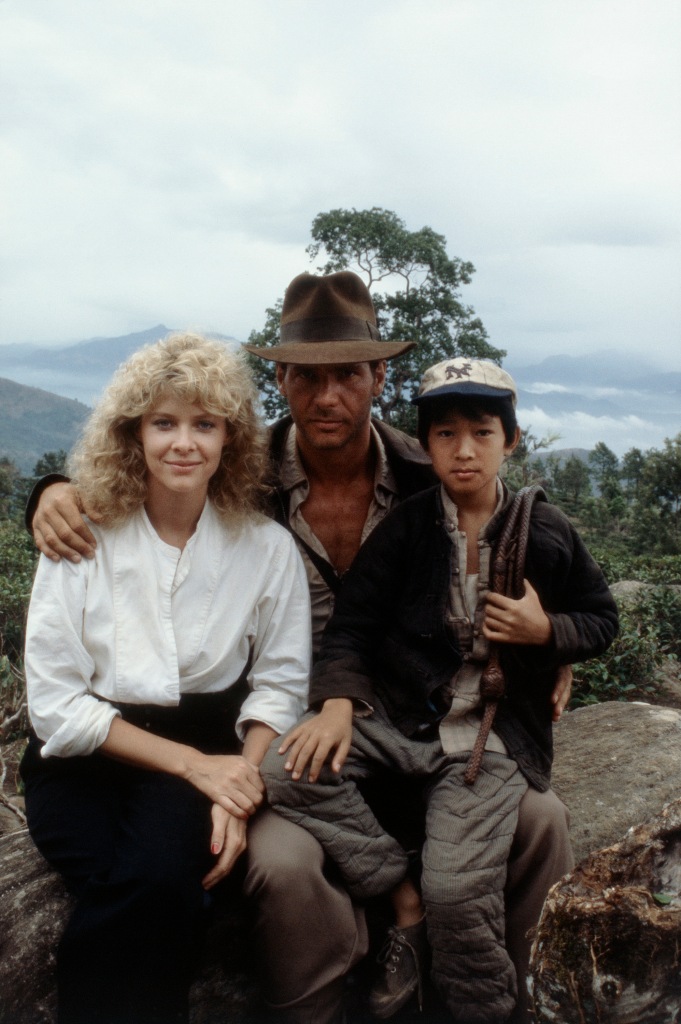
329,319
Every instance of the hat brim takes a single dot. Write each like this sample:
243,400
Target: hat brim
317,353
465,388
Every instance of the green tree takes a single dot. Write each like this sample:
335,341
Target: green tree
50,462
605,470
569,482
631,471
10,479
273,404
526,467
655,516
17,561
661,477
416,292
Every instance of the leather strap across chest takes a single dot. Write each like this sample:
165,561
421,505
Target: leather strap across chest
506,577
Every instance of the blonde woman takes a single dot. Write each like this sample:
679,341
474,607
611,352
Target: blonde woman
158,673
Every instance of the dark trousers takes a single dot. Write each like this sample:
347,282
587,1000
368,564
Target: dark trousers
132,846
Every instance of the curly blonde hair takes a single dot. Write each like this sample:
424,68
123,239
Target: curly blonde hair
107,464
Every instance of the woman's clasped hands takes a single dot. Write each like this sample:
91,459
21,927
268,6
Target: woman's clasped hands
229,780
237,790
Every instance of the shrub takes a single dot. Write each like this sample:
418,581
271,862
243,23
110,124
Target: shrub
644,568
649,635
17,566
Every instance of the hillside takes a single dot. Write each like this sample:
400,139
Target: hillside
33,421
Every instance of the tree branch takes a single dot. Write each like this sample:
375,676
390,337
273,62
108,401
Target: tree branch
8,722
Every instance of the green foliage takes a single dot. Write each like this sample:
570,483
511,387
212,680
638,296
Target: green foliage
636,510
663,606
649,568
661,478
568,482
648,637
525,468
264,372
605,471
631,472
416,293
624,672
10,481
51,462
17,566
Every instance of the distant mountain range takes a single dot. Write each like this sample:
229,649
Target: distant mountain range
605,396
77,371
604,382
612,397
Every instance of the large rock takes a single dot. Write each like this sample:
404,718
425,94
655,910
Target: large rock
33,903
616,765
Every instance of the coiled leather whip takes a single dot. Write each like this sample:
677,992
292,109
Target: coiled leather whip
508,573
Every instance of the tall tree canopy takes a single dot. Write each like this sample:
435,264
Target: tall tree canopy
415,287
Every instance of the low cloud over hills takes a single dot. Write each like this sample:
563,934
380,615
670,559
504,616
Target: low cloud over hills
624,402
77,371
604,396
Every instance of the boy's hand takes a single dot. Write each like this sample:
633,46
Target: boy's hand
59,529
562,690
522,621
312,741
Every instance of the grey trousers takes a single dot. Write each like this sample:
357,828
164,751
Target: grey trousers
309,933
469,834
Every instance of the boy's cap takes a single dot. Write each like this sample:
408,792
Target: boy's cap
463,376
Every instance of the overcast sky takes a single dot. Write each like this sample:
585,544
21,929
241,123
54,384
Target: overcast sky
162,161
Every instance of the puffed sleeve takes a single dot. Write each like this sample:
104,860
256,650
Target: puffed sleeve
64,713
282,648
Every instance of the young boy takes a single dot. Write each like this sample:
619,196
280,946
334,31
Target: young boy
397,685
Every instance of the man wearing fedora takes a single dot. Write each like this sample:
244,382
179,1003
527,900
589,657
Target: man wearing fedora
337,473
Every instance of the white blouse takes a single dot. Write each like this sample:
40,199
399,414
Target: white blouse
143,622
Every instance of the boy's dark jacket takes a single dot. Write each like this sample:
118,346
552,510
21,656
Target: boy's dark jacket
388,637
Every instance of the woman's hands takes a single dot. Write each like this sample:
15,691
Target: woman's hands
229,780
227,843
311,742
